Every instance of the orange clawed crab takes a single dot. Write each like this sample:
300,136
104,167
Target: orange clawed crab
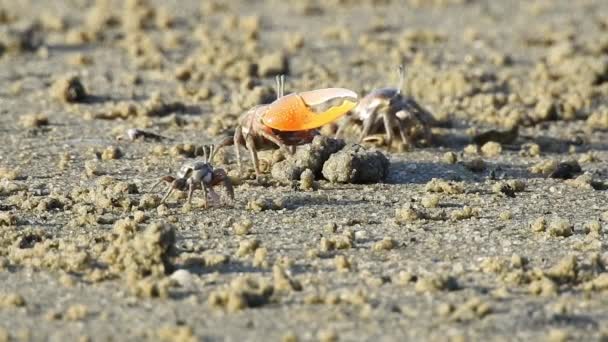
290,120
387,111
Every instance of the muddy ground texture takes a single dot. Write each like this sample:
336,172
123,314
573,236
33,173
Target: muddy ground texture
469,237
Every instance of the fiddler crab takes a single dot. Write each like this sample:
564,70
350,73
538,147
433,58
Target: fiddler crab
291,120
389,110
198,175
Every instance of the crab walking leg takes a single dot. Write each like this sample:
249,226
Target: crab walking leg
274,140
254,155
368,123
214,196
342,126
238,137
280,84
190,192
167,194
387,118
221,175
403,132
204,188
401,79
167,179
222,142
156,184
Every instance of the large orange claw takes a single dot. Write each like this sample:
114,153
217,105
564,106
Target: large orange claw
293,112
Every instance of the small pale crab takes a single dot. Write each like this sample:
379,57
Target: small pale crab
291,120
198,174
385,112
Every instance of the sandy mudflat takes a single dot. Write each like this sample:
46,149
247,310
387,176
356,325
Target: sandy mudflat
460,241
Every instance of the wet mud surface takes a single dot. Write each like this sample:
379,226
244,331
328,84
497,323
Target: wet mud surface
493,230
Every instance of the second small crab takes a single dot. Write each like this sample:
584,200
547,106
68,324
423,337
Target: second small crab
198,175
388,110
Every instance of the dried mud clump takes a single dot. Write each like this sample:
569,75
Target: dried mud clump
143,258
20,39
9,174
111,152
386,244
11,300
175,334
69,89
408,214
474,308
273,64
283,282
7,219
539,224
599,119
588,182
355,164
243,227
436,283
156,107
243,292
509,188
464,214
438,185
449,158
311,156
307,180
501,137
560,227
491,149
34,120
263,204
544,167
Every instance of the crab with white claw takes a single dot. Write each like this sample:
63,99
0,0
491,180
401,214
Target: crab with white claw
198,175
388,110
289,121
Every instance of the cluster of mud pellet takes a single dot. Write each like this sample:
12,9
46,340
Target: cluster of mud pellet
335,161
140,256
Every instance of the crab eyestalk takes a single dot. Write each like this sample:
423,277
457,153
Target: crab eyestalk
294,112
401,79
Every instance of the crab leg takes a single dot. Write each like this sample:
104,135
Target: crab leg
220,175
167,179
204,188
368,123
190,192
254,155
274,140
280,83
403,132
238,137
167,194
156,184
387,118
342,126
